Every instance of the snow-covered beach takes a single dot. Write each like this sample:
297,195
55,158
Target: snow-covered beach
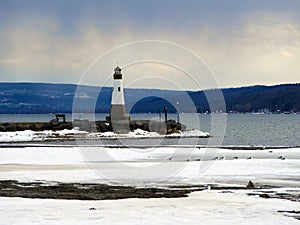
204,165
199,208
278,168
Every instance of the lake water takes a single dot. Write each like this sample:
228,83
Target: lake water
240,129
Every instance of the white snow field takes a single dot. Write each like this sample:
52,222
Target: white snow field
159,166
204,207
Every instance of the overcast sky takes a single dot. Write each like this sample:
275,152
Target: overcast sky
242,42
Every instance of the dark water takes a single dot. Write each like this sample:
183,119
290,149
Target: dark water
240,129
263,130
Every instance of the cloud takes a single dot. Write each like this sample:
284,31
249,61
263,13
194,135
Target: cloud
288,54
251,52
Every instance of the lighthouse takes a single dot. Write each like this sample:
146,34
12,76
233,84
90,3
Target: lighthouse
117,108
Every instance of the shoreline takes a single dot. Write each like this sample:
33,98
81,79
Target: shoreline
71,142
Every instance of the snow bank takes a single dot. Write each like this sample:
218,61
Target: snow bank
190,133
74,131
28,135
138,133
17,136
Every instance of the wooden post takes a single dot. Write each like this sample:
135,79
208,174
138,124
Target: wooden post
178,112
166,115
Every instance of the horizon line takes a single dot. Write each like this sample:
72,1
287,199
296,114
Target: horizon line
141,88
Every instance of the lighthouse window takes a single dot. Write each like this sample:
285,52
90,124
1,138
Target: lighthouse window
119,89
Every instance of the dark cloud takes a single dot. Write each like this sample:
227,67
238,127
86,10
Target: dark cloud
242,40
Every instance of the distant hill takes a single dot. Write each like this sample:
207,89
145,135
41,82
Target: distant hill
53,98
279,98
271,98
39,98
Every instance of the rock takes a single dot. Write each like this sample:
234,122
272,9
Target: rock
120,126
180,127
135,125
162,130
102,127
250,184
84,125
2,128
146,127
32,127
264,195
139,124
11,127
66,125
171,124
22,127
46,126
281,157
54,122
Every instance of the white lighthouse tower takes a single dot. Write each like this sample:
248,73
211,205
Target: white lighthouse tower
117,109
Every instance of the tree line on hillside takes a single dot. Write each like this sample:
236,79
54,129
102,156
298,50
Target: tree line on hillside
58,98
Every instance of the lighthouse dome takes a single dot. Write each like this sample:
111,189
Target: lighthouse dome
117,69
117,74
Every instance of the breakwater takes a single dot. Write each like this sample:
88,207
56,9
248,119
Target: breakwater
165,127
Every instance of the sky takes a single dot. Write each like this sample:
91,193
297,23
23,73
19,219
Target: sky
198,44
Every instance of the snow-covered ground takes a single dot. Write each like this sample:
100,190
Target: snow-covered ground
159,166
213,207
28,135
139,166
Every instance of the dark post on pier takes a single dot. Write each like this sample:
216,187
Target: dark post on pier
166,115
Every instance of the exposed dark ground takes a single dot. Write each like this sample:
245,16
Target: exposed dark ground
12,188
94,191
